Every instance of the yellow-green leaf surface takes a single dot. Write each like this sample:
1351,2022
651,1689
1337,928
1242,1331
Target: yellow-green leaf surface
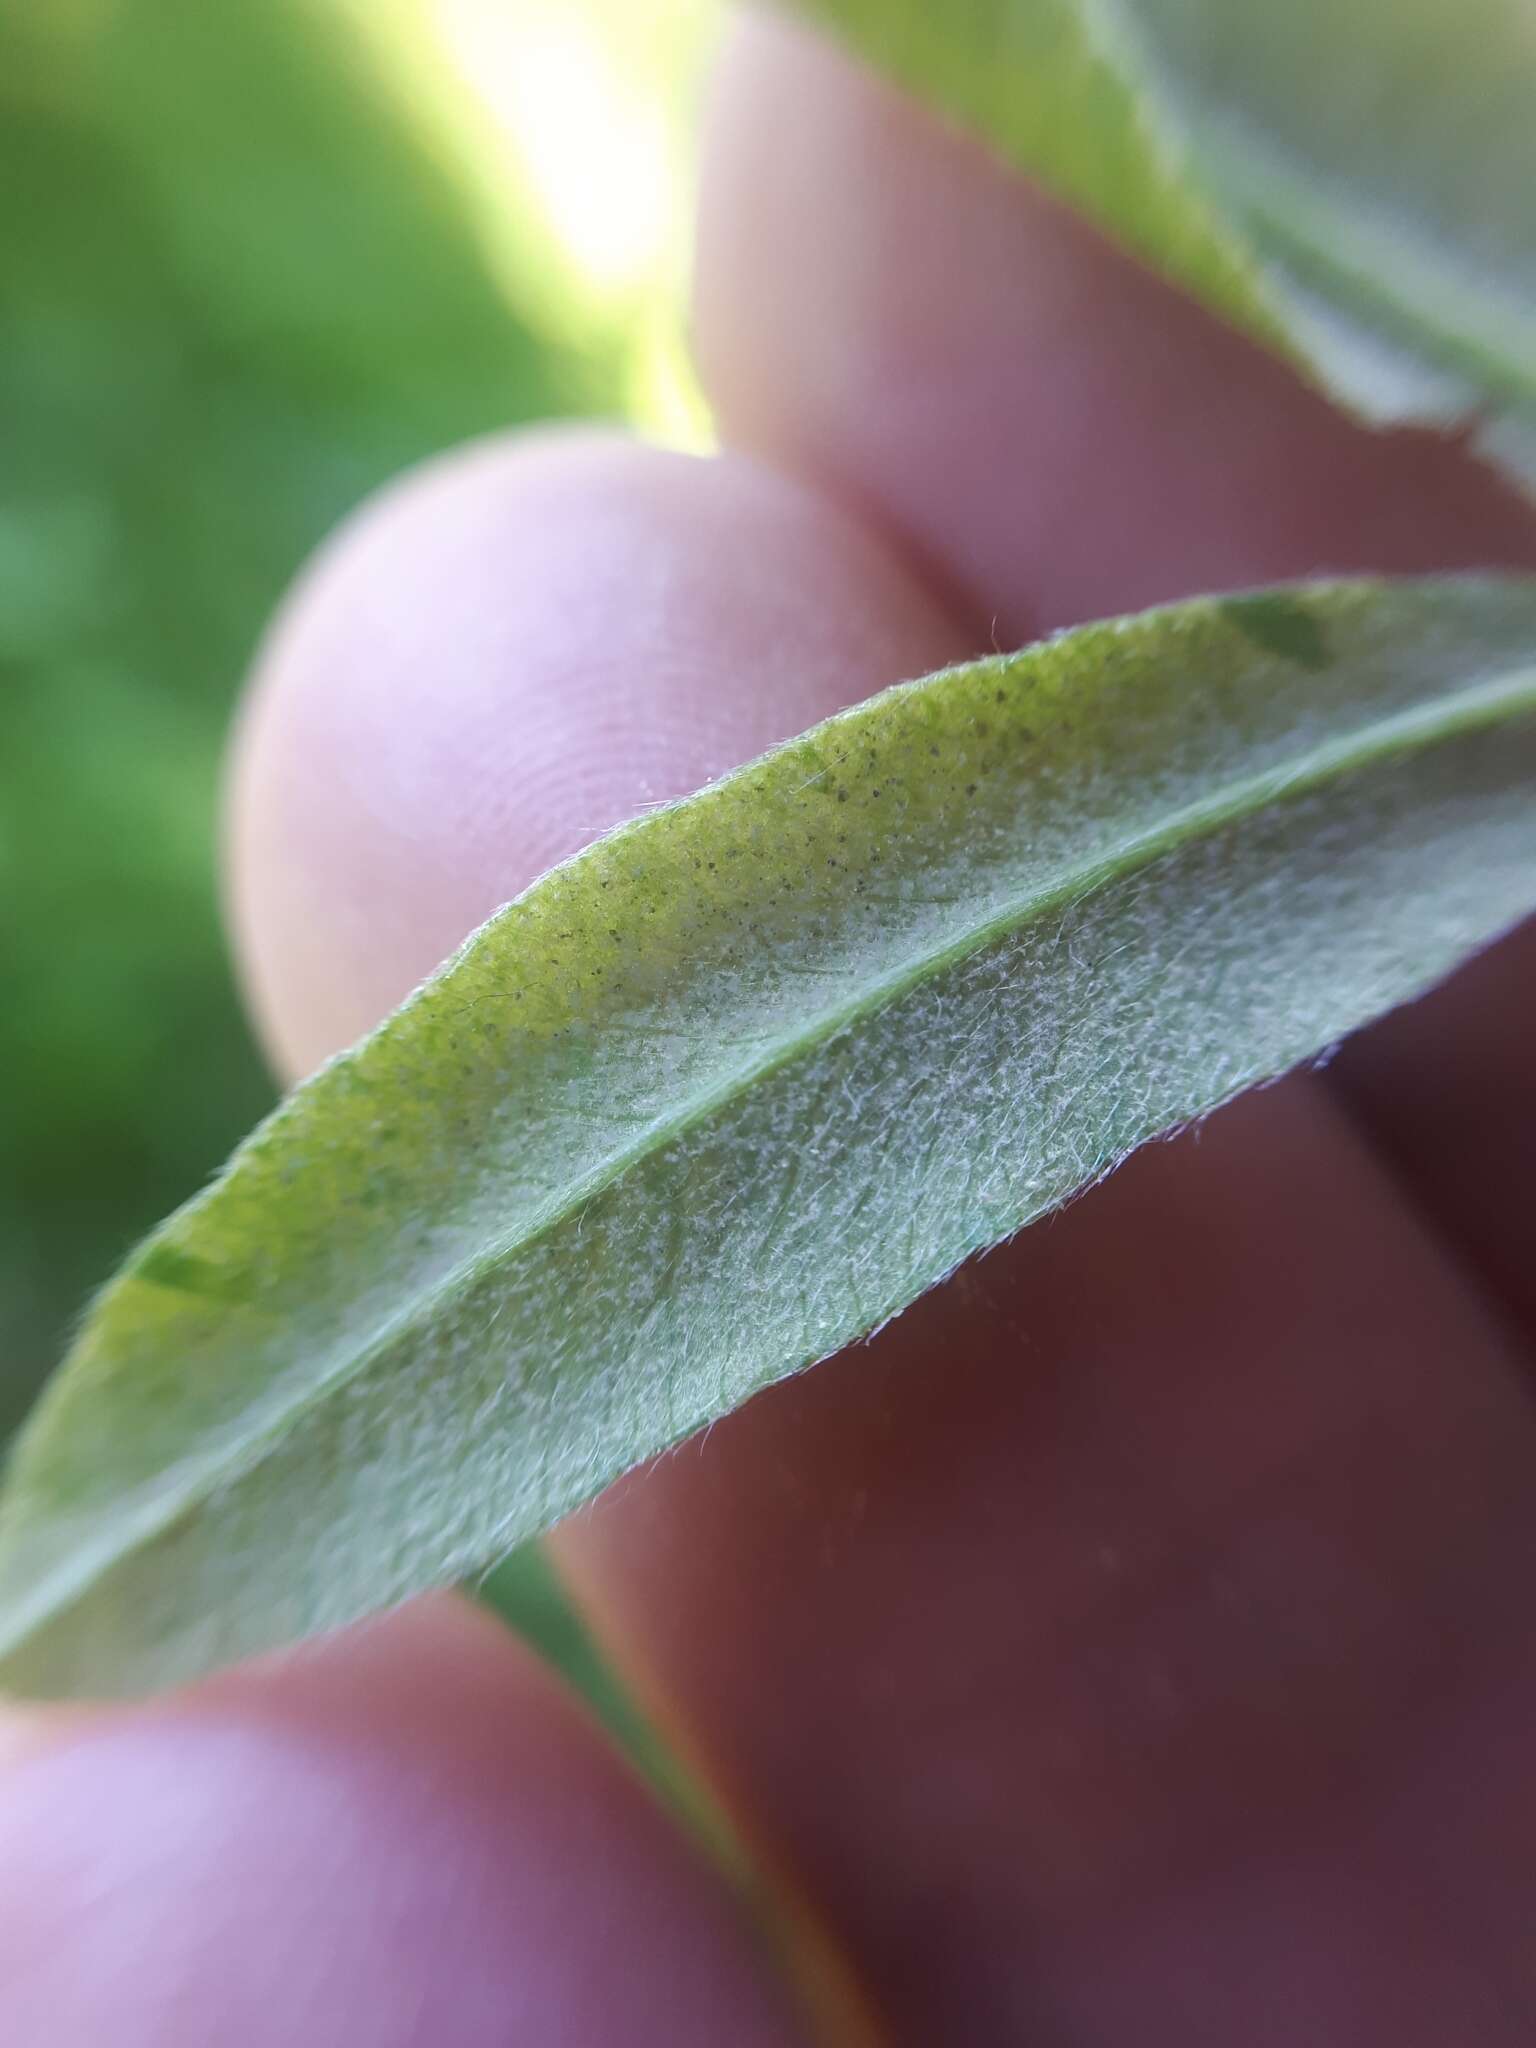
735,1084
1350,180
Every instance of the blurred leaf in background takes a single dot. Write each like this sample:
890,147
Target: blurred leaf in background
254,259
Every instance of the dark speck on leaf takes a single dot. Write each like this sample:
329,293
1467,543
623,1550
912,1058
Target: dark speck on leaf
167,1265
1280,625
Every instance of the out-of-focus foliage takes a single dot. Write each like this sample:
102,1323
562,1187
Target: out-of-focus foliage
254,258
1350,183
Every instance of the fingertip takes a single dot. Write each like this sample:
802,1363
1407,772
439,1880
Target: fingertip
502,657
407,1833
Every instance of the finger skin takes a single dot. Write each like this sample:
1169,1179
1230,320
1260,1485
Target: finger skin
506,655
1093,1646
406,1838
1446,1091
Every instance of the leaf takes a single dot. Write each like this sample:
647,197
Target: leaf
1349,182
524,1591
734,1085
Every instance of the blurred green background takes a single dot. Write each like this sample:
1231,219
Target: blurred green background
255,257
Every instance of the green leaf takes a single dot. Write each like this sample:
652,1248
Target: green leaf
738,1082
526,1593
1349,182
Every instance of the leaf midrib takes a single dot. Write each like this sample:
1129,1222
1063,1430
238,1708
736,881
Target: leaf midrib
1403,733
